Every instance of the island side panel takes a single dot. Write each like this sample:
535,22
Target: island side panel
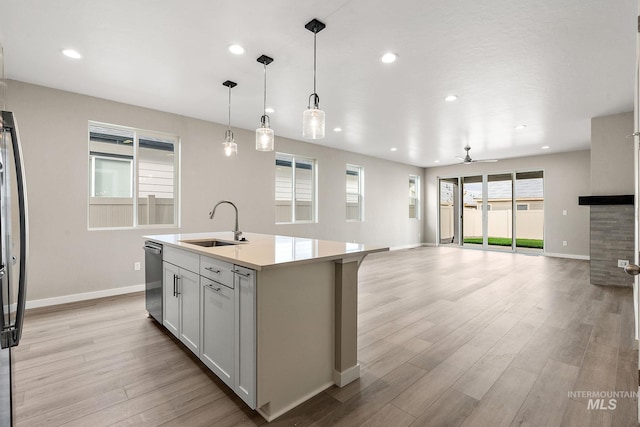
347,368
295,334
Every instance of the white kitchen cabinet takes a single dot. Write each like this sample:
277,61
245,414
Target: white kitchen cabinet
210,305
181,296
189,289
218,329
171,302
245,373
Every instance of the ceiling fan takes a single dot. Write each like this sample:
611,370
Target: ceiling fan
468,160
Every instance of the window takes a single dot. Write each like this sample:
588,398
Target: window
133,176
295,189
355,193
414,196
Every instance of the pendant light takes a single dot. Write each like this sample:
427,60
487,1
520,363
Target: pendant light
229,143
313,117
264,134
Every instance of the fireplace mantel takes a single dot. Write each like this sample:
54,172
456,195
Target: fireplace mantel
626,199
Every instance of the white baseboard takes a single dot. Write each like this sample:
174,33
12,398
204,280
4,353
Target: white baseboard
411,246
272,416
45,302
570,256
343,378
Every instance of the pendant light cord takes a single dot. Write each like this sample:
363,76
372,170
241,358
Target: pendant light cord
265,88
315,33
229,124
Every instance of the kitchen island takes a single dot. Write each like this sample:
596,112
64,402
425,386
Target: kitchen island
275,317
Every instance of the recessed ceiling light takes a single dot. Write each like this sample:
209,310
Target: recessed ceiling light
269,110
545,147
337,129
389,57
70,53
451,98
520,127
436,161
236,49
394,149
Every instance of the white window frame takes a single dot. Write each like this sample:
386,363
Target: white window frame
314,189
417,197
135,176
359,194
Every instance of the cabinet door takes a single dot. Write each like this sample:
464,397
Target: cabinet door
218,316
170,298
245,289
189,288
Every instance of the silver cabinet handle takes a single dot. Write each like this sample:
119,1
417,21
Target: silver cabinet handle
240,273
174,285
178,278
213,288
212,270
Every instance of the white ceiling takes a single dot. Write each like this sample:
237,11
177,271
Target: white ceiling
551,65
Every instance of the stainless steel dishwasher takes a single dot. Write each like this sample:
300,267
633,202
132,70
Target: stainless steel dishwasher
153,279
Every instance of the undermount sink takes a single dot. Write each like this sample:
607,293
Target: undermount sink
208,243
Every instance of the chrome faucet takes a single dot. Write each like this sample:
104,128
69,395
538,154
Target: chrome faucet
236,233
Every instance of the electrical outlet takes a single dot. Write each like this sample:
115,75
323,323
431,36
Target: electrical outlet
622,263
136,266
564,243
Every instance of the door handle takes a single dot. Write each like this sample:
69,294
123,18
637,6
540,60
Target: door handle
632,269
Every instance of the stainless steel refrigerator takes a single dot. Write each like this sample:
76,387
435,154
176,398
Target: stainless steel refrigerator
14,243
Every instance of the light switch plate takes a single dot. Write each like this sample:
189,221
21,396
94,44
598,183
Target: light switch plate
622,263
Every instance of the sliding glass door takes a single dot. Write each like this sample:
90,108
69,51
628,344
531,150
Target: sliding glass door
503,211
500,211
529,211
449,211
472,207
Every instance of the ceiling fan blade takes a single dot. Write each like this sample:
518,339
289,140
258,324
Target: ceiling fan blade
486,161
460,158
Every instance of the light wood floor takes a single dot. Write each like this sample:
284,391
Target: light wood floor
447,337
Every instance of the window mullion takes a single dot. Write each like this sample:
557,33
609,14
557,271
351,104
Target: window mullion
293,190
134,178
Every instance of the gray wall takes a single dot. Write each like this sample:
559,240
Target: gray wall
612,155
68,259
566,176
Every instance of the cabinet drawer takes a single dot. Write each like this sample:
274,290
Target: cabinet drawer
181,258
217,287
217,270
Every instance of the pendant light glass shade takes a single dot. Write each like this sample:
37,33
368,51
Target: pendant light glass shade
229,144
313,116
265,137
313,122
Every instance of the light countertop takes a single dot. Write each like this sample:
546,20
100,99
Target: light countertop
265,251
